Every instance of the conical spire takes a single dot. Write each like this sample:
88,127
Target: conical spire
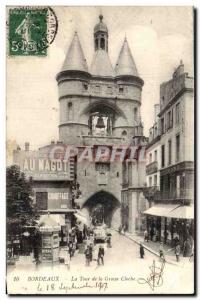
101,65
125,64
75,59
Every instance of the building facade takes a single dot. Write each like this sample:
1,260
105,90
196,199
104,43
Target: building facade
153,153
52,178
173,206
133,183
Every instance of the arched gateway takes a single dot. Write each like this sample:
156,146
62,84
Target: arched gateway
103,207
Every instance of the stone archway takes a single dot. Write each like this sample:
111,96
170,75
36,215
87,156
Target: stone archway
103,207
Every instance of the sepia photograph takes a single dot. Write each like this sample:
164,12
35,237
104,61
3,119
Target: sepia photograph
100,133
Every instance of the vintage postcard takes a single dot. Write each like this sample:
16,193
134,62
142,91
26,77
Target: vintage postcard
100,150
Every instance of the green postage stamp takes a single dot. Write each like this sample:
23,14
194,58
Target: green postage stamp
31,30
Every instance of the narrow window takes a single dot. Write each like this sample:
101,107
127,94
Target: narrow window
178,147
178,113
163,156
70,112
156,131
169,152
155,155
85,86
169,120
155,180
102,43
124,133
121,89
150,157
135,113
96,44
162,126
150,181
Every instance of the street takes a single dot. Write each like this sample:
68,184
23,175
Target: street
123,272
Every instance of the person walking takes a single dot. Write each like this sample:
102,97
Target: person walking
87,256
91,251
187,248
161,252
71,250
146,236
192,253
141,251
100,255
177,252
152,233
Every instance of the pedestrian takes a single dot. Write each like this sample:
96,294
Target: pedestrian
71,250
91,251
192,253
187,248
146,236
152,233
120,229
141,251
161,251
109,240
87,256
64,257
177,252
176,241
100,255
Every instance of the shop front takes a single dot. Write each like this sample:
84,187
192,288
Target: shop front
168,223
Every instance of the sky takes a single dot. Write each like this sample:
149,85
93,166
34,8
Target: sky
159,37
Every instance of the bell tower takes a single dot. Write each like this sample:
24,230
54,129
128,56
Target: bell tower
101,35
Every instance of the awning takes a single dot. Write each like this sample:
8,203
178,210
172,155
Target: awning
59,219
160,210
171,211
82,218
182,212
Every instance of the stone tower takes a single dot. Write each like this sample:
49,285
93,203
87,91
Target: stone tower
99,106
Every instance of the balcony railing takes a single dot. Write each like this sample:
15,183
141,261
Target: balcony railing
182,194
153,193
152,168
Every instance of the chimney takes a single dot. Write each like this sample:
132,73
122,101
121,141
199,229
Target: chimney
27,146
52,142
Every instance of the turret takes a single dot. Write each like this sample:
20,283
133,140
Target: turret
101,65
73,81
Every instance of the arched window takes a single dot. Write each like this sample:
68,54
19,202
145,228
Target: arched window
124,133
102,43
96,44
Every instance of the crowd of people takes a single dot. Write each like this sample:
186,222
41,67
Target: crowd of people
78,240
187,249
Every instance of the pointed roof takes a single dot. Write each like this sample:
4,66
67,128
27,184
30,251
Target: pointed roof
101,65
125,63
75,59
